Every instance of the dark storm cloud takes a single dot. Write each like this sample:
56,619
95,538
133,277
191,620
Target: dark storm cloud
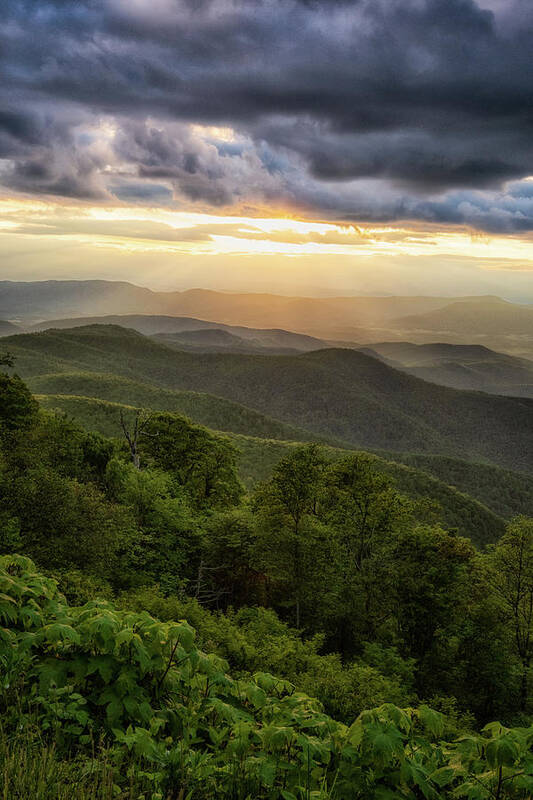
429,100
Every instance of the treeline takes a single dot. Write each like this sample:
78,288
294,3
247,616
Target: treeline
326,575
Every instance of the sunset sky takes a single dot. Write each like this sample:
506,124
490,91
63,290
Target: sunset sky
293,146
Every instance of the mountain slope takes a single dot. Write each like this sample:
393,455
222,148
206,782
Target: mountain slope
205,409
331,317
258,457
489,321
336,393
460,366
151,324
506,493
7,328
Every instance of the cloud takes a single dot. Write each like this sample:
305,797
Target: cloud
371,109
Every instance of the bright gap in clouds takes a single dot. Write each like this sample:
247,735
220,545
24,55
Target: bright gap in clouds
158,230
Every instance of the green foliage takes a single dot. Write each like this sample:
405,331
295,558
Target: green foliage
79,587
93,398
490,491
168,540
17,405
511,565
254,639
506,493
85,672
203,463
407,636
32,768
259,457
230,552
294,547
64,522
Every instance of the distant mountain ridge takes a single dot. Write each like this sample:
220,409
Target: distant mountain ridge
486,320
334,317
8,329
493,322
340,394
460,366
475,316
169,326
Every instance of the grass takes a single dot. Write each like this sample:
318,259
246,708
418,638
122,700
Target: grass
32,769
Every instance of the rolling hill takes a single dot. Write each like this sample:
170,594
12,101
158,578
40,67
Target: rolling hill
211,340
490,321
213,412
340,394
460,366
255,339
258,456
7,328
342,318
506,493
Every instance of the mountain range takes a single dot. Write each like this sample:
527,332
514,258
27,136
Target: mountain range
344,395
459,366
198,333
488,320
42,300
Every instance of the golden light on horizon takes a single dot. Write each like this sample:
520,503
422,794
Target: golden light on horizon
292,249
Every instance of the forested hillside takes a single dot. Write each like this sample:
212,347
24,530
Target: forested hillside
460,366
257,458
342,394
506,493
171,628
152,325
215,412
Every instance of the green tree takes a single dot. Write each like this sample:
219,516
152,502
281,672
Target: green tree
430,567
480,651
230,558
361,503
203,463
512,578
66,524
18,408
167,548
294,544
365,513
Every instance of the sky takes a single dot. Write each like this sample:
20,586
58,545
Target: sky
297,146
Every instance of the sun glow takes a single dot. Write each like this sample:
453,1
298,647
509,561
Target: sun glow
177,245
